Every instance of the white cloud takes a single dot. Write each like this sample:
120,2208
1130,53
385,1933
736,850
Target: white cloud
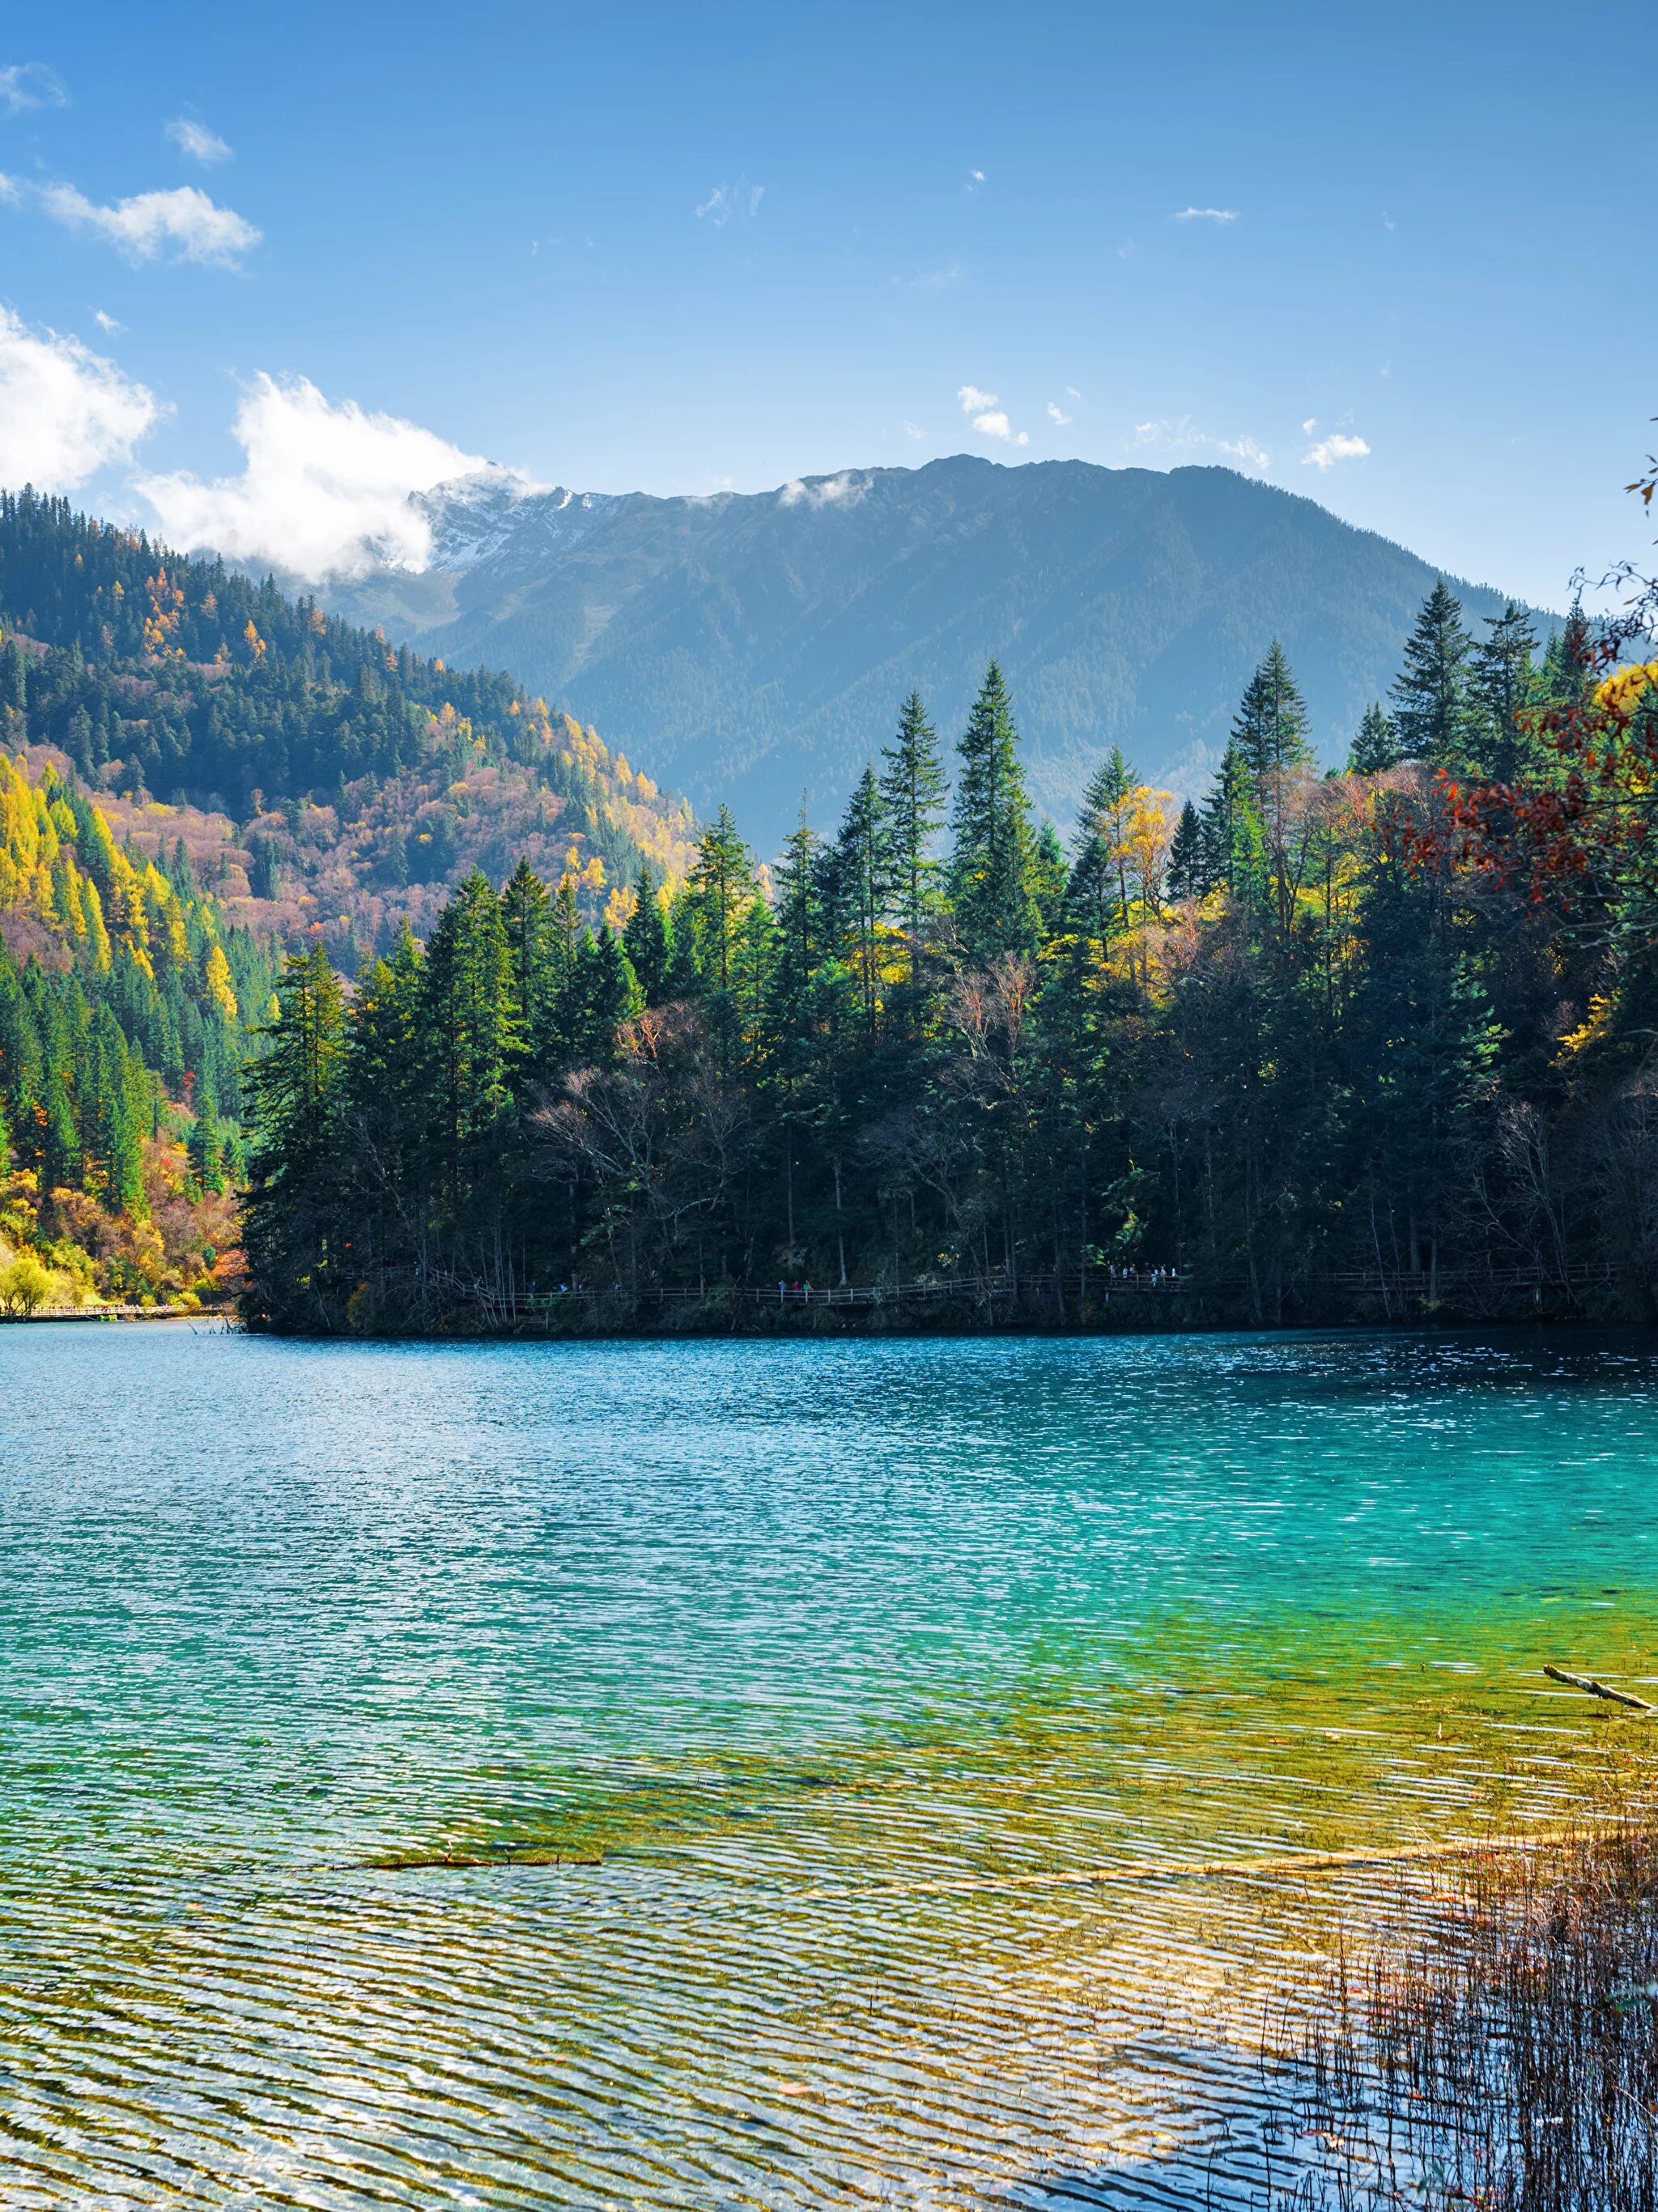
326,490
1179,435
196,140
12,192
107,323
989,418
64,412
1334,448
1072,392
1310,426
1207,215
1057,414
25,85
914,431
844,490
728,201
184,223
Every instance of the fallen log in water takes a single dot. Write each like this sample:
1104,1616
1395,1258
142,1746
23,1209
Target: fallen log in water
1591,1688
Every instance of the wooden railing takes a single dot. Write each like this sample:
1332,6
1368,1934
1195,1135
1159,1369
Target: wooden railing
1068,1292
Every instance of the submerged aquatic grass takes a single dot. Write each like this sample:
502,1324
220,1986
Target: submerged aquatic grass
1504,2056
758,1775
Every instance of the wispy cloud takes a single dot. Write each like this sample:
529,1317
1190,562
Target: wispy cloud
947,279
1057,414
844,490
1179,435
914,431
1207,215
989,417
25,85
1336,447
975,179
327,487
107,323
196,140
65,412
183,225
736,203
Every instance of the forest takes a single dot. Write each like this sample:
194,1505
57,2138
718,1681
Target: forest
1372,1041
128,1008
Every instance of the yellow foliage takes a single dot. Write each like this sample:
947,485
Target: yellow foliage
215,983
1625,688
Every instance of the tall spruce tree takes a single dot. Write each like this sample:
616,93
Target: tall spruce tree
1189,876
1375,746
993,896
645,939
1271,727
470,1021
1433,712
1503,682
912,788
862,873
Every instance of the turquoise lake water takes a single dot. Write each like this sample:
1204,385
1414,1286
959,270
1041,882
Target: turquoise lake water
721,1774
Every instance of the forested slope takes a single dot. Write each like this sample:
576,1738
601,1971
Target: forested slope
1371,1043
353,782
128,1004
751,644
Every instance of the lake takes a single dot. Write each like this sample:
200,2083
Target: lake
730,1774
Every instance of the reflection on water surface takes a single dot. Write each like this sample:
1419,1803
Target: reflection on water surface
518,1775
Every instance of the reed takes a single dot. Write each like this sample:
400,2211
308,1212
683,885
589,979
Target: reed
1504,2055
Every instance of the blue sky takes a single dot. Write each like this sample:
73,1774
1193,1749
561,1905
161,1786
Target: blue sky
676,249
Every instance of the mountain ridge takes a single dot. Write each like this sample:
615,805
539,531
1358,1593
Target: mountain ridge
752,643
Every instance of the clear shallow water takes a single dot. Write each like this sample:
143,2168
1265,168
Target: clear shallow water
522,1776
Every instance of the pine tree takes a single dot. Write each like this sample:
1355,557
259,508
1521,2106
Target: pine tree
1189,857
527,916
861,872
1376,747
992,890
1503,683
645,939
912,788
719,892
1049,878
293,1210
1269,731
1432,710
1234,839
470,1022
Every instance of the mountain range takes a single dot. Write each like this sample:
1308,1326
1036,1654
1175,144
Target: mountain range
753,647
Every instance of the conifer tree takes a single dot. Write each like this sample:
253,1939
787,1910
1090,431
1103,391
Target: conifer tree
912,788
992,894
1433,709
1188,864
1375,746
1049,878
1502,682
861,872
470,1021
645,939
526,917
1269,731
